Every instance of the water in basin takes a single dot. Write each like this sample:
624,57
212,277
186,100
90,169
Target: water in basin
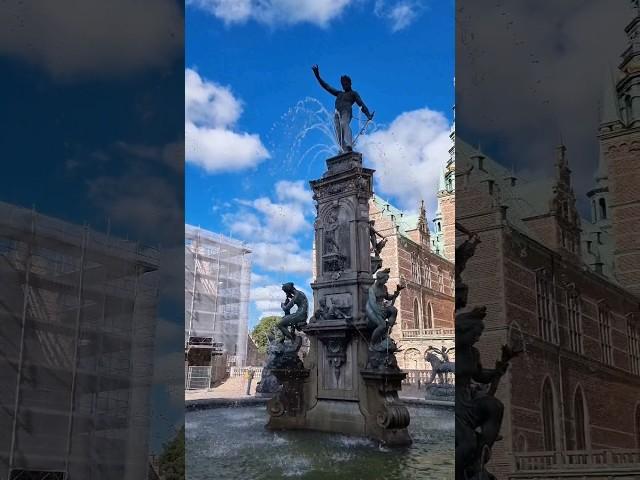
232,443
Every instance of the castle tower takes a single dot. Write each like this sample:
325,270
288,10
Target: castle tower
445,220
563,207
599,197
421,234
620,147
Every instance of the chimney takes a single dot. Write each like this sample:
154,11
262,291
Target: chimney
478,161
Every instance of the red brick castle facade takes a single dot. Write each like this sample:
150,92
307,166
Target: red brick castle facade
569,287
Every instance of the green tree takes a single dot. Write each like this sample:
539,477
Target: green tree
172,458
260,331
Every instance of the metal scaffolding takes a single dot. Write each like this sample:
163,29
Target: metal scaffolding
217,281
77,322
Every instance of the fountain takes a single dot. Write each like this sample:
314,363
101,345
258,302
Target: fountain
350,380
347,386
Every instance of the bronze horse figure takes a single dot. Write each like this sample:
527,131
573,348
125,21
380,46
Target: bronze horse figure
439,368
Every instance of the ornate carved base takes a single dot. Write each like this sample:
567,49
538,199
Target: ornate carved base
286,408
382,356
386,417
268,385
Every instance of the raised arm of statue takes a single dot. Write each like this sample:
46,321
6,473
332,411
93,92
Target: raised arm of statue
395,294
323,84
363,107
485,375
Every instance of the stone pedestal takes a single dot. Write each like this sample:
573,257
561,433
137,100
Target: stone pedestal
286,408
441,391
340,395
386,417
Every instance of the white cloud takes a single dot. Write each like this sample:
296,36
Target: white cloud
297,191
70,38
211,111
279,218
409,155
258,279
275,12
281,257
267,299
399,15
207,103
270,228
265,220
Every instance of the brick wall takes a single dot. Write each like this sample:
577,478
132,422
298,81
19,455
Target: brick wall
502,276
622,151
447,205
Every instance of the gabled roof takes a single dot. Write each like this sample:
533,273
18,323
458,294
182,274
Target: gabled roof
403,221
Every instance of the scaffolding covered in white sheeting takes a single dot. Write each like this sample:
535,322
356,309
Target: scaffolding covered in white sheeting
77,322
217,281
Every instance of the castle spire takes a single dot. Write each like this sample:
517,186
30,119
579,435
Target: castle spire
561,158
442,184
422,217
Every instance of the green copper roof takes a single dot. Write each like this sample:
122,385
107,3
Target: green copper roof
406,222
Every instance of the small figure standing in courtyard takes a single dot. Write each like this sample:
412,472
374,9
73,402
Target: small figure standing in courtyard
290,321
345,99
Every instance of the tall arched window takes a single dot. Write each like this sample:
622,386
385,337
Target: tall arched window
548,417
428,321
413,360
416,314
580,420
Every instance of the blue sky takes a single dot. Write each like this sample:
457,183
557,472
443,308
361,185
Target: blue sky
247,69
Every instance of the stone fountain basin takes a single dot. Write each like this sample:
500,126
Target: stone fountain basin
226,442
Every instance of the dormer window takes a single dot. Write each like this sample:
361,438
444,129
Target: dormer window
603,208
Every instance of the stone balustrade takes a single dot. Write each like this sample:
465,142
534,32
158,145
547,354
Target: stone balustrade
428,333
621,460
241,371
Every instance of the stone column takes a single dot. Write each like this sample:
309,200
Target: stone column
341,395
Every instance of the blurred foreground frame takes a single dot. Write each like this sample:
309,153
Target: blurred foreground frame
557,259
79,315
91,240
